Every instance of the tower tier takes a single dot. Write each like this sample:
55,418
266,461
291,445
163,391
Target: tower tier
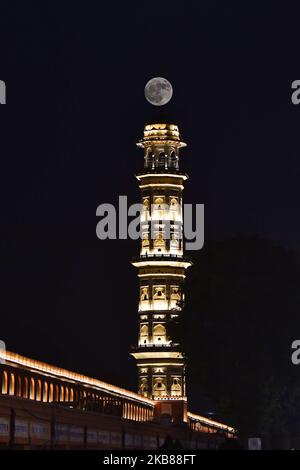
161,266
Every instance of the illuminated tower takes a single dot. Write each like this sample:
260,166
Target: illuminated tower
161,266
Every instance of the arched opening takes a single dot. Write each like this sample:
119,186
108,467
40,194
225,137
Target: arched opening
159,387
56,398
4,382
149,157
176,387
144,298
32,389
159,334
45,392
25,387
175,293
159,298
175,298
144,334
173,160
19,387
11,384
144,294
161,160
159,242
175,211
173,203
39,390
144,387
50,393
145,242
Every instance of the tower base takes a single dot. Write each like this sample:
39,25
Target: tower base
174,410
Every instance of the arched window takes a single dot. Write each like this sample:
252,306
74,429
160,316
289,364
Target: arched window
176,387
159,203
173,160
159,334
144,386
159,387
159,298
175,298
175,293
144,332
144,293
145,240
159,293
19,386
146,204
159,241
174,203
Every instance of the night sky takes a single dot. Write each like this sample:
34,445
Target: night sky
75,75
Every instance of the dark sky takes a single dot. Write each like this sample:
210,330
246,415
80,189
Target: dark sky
75,74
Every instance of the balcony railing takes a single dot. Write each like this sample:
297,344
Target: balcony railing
148,346
162,170
161,256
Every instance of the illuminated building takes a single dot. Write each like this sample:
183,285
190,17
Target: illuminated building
44,406
161,268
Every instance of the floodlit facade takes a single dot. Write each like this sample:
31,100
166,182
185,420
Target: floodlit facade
161,268
45,406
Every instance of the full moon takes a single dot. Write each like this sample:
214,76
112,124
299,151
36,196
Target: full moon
158,91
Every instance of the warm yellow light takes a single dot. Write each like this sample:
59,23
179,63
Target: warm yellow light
169,175
173,398
158,355
161,185
210,422
160,364
66,374
162,275
158,263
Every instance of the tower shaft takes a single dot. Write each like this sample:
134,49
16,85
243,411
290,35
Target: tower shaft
161,266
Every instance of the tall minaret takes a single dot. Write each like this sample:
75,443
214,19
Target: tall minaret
161,266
